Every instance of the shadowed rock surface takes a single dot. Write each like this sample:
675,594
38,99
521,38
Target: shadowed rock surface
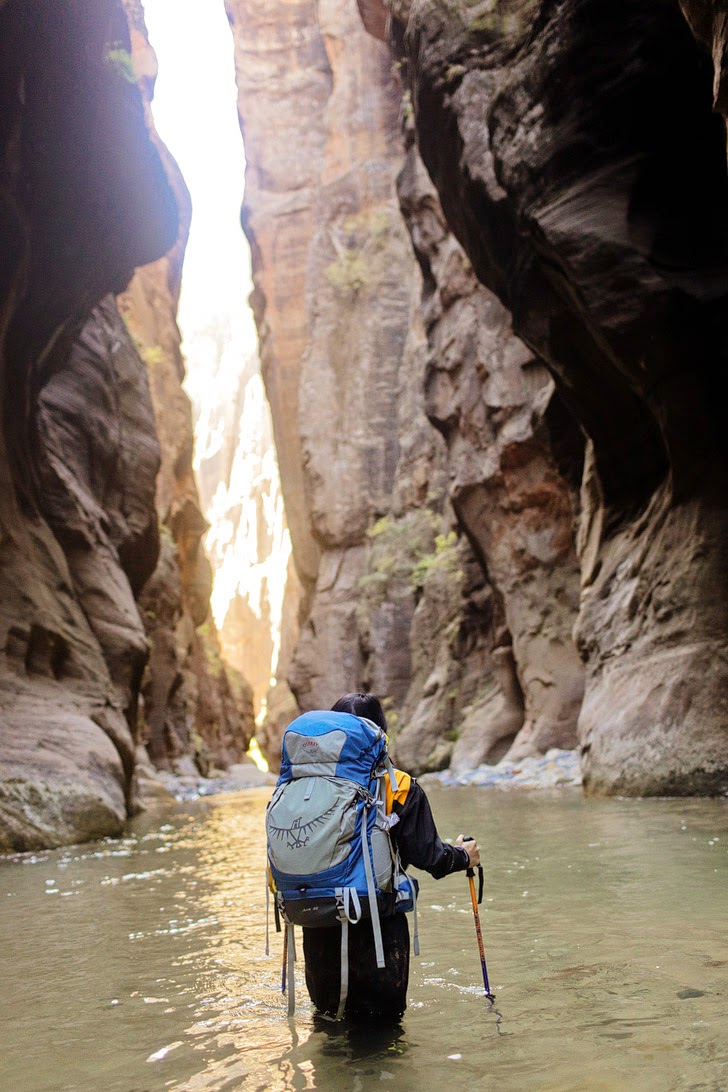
548,130
496,406
84,199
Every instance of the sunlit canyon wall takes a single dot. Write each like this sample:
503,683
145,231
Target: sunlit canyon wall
247,542
363,336
557,313
197,712
87,197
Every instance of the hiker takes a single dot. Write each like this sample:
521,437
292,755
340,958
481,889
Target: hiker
372,992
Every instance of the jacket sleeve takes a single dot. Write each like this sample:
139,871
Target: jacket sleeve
416,837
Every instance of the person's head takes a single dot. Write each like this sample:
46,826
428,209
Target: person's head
362,705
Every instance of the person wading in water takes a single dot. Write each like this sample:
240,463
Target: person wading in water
374,993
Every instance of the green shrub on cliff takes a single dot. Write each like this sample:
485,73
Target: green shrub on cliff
444,559
152,355
397,548
359,241
121,62
348,273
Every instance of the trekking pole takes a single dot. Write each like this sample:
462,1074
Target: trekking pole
285,961
478,931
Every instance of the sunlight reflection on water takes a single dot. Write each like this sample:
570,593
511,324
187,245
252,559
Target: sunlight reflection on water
604,928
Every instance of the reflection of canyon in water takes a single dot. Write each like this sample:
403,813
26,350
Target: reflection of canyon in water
604,932
248,543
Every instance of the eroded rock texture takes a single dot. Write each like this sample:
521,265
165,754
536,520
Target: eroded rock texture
549,131
470,641
334,283
83,200
194,708
332,278
496,406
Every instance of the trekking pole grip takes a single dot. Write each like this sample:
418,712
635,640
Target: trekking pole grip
470,870
470,873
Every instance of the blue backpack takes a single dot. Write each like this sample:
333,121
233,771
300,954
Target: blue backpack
330,857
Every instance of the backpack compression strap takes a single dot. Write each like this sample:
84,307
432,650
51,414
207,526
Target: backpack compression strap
350,911
349,906
372,893
291,970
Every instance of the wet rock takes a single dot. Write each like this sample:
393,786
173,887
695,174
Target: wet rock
554,770
61,779
236,778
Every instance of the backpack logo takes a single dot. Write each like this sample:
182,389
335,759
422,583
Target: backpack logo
298,834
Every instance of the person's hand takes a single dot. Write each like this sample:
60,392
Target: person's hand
472,849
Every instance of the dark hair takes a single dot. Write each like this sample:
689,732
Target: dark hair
362,705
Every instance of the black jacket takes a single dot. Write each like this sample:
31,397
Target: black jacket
416,837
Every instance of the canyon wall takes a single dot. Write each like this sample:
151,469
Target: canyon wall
558,316
84,200
421,579
237,470
549,132
197,712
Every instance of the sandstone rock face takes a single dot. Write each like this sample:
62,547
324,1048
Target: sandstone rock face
248,541
86,196
83,200
280,59
470,642
388,593
709,23
193,707
493,401
333,273
548,132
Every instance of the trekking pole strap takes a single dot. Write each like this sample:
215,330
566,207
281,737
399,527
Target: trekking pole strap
470,872
416,938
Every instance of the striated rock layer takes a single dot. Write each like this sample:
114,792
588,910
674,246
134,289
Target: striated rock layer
334,277
83,200
194,708
505,428
549,132
469,640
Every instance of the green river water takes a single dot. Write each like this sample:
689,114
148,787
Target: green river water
139,964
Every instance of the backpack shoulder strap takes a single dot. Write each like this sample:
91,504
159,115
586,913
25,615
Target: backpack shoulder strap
397,787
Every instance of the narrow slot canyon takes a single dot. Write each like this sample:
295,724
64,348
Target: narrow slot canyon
486,369
363,347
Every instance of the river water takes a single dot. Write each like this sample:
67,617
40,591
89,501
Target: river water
139,965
